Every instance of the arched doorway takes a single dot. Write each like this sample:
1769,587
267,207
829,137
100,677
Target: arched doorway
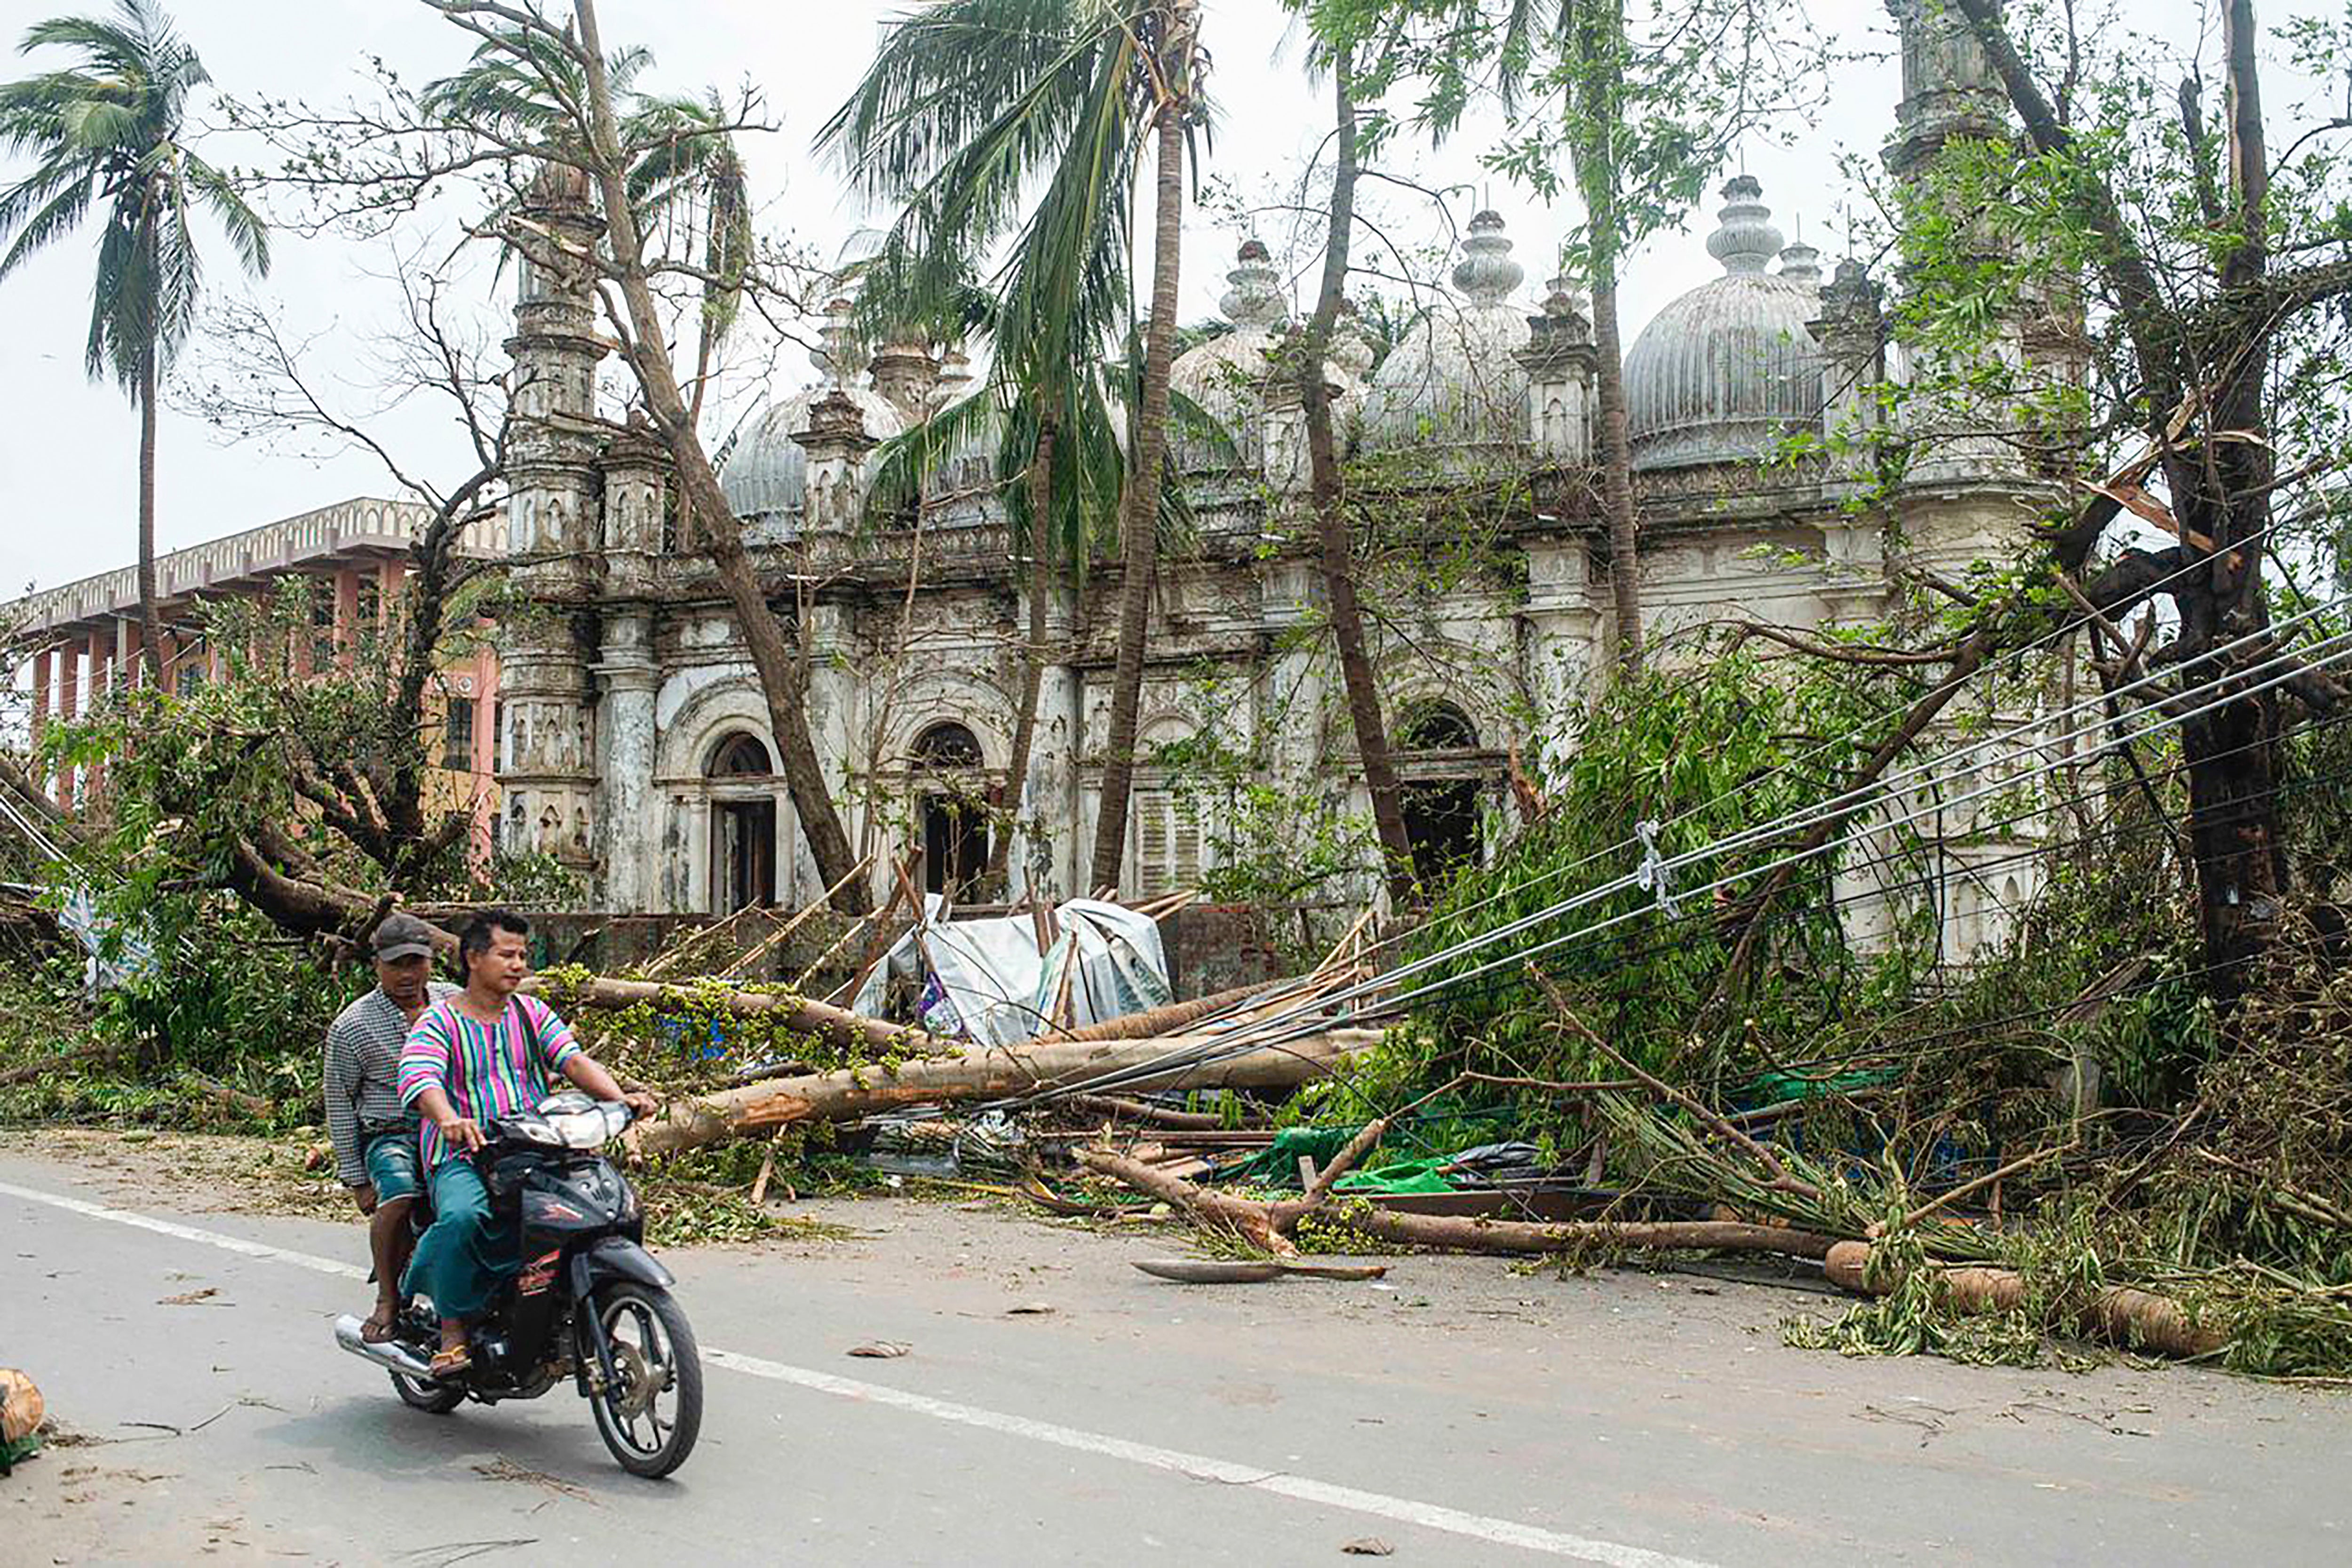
950,814
742,824
1442,775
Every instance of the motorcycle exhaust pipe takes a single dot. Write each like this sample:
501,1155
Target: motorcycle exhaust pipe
394,1356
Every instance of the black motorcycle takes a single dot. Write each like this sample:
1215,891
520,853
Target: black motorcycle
589,1303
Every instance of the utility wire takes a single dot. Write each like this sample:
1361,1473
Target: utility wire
1270,1030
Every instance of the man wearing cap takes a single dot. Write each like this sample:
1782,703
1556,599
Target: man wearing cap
375,1135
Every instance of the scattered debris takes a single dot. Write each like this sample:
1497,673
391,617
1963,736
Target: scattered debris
1368,1546
1232,1271
881,1350
190,1298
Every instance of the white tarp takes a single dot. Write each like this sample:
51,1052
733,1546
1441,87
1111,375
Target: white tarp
985,980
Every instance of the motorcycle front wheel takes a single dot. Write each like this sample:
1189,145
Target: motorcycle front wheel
651,1414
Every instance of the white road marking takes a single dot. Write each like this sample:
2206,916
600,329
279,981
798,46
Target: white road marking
1196,1467
236,1244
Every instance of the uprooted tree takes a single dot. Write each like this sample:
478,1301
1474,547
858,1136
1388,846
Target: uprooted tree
300,777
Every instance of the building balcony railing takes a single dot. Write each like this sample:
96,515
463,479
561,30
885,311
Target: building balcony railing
360,525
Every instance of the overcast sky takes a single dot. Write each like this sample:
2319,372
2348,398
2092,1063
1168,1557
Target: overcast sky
68,448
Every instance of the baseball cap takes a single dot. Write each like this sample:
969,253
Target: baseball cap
403,936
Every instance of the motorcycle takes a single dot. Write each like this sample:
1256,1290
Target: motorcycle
589,1302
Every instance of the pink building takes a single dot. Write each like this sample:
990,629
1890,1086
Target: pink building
86,633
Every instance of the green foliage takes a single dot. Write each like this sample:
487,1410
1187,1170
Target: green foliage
1732,742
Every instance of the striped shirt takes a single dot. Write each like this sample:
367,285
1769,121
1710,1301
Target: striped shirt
485,1069
363,1073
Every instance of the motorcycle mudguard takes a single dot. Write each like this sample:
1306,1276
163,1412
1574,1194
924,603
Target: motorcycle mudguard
609,1258
615,1257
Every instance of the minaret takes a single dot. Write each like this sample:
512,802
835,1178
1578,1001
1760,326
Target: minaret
1559,360
636,495
546,755
1949,90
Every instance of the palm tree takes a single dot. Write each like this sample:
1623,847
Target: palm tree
968,107
109,130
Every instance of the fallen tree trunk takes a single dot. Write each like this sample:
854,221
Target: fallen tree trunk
1269,1226
2136,1320
1164,1020
1460,1233
798,1014
1113,1106
81,1057
986,1075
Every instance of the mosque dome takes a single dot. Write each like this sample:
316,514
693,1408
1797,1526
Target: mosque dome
1722,373
1454,378
1226,376
766,471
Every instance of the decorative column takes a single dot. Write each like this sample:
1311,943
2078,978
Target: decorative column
1292,721
836,442
1560,363
907,374
103,675
1288,470
637,491
1559,643
1048,841
548,755
1852,331
69,658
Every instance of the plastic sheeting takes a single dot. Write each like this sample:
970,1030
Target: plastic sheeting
985,980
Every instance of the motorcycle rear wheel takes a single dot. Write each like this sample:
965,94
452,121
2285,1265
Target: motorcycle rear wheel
433,1399
653,1414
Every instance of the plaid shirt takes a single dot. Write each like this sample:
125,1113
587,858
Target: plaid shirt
363,1072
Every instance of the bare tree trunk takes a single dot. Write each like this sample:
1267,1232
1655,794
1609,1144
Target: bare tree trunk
145,666
1330,511
1616,468
2218,489
2231,751
1033,656
784,678
1138,533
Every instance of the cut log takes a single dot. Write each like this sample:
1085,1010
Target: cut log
2136,1319
1463,1233
986,1075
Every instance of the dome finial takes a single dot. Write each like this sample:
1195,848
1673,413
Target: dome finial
1254,300
1486,273
1746,239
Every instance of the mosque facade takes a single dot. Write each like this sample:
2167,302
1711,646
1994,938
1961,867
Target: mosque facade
635,744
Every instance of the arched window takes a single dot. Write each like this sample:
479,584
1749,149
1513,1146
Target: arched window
945,746
1440,727
741,755
1444,777
742,826
953,819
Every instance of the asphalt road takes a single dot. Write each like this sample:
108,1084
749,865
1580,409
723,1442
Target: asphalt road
1468,1414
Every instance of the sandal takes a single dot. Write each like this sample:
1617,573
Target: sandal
377,1327
451,1363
